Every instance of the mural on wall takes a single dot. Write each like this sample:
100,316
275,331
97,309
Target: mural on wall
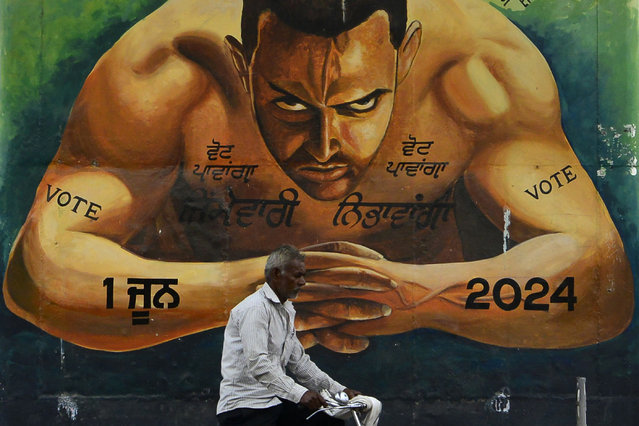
416,151
430,184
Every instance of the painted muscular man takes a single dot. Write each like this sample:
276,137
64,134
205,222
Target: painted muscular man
422,159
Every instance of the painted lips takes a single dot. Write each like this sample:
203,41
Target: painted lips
323,172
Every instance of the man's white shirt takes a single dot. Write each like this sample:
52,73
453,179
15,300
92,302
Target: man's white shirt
260,343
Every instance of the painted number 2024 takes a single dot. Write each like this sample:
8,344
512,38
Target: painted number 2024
565,293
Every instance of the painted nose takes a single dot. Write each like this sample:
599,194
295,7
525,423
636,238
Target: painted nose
326,142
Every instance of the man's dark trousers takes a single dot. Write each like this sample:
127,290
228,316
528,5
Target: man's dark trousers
285,414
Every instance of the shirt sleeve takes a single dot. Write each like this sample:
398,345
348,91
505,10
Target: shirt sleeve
309,374
253,329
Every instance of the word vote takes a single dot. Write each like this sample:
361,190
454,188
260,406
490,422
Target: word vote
64,199
546,186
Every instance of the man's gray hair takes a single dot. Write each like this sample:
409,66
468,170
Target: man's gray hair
280,257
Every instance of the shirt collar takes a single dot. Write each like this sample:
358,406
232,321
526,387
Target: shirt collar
270,295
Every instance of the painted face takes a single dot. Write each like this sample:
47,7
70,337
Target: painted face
323,104
290,280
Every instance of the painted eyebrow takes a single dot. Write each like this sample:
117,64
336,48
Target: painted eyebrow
374,94
284,92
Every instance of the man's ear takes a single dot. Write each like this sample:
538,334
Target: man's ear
239,60
276,273
408,50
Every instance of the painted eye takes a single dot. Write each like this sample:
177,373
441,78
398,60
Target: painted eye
290,105
363,105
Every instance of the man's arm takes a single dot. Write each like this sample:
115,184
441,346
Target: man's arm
254,334
308,373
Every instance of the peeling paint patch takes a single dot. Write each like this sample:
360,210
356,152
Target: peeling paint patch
506,225
633,166
617,149
631,129
66,403
601,130
500,402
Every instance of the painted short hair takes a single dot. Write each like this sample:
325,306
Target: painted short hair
281,257
326,18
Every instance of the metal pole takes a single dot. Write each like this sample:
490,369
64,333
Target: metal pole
581,401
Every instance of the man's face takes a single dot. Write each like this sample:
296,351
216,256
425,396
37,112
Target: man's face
323,104
290,280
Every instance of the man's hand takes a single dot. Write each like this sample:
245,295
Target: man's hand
352,393
312,400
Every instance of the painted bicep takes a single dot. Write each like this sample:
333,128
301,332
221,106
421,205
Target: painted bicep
88,201
536,187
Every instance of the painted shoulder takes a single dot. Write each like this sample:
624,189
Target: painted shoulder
486,67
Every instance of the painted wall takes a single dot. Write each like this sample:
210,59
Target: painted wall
458,213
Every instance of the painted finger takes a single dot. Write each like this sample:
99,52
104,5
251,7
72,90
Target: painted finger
350,309
341,342
322,292
307,339
400,322
312,292
326,260
346,248
309,321
319,292
352,278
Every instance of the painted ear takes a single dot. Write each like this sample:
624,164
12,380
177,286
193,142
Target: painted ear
408,50
236,50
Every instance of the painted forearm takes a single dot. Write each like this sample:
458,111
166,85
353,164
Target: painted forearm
89,291
550,291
